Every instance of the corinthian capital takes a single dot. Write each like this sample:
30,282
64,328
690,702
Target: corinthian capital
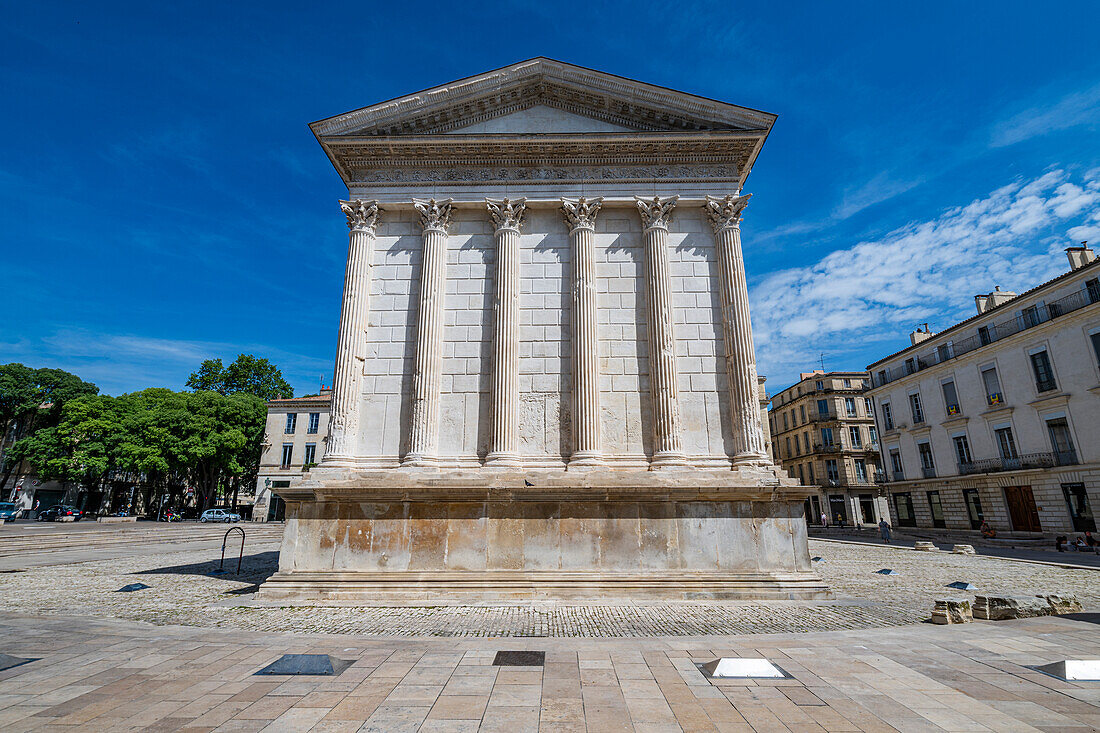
726,212
434,214
581,212
507,214
656,212
362,215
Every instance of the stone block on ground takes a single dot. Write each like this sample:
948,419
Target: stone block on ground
999,608
952,611
1060,604
963,550
925,547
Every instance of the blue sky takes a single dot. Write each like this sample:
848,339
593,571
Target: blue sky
162,200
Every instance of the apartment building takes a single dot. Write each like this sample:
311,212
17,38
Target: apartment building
995,418
295,439
823,433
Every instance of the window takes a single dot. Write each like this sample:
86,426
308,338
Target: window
802,413
962,451
794,421
831,471
806,441
869,406
903,504
1079,510
847,384
291,422
983,335
823,405
288,454
788,447
936,508
992,384
1060,440
797,446
887,417
973,507
861,470
1006,443
1044,375
895,464
1092,287
873,435
1095,338
910,366
314,423
786,425
853,434
850,406
950,398
826,436
801,478
943,352
820,384
1030,316
927,465
311,454
810,470
881,377
915,408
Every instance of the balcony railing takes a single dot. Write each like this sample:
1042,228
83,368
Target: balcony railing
899,475
823,416
1030,318
928,471
1021,462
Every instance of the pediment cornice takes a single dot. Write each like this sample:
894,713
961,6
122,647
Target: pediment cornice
632,104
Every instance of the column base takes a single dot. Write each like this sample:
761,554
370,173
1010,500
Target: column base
668,459
419,460
752,459
502,460
581,459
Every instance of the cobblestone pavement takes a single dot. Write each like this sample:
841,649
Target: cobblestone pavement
101,675
181,592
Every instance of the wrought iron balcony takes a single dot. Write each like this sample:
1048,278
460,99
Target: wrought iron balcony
823,416
1020,463
1029,318
928,471
899,475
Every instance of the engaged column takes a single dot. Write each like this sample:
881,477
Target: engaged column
580,216
507,216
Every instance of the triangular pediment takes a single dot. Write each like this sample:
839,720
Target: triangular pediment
543,96
537,119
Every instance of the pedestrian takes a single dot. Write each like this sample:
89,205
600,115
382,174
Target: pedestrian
987,531
824,520
37,503
1091,542
1060,543
884,530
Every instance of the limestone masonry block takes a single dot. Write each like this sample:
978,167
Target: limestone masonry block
952,611
925,547
999,608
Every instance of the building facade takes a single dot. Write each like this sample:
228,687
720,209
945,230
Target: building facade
824,434
545,380
994,418
294,441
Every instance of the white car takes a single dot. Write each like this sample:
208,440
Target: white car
219,515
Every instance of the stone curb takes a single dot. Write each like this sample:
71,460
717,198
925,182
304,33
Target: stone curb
993,557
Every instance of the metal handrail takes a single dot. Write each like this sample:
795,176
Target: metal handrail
240,558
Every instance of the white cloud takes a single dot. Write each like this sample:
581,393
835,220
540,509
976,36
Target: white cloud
1071,110
875,292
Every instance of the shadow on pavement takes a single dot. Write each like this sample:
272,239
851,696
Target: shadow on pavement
256,567
1088,618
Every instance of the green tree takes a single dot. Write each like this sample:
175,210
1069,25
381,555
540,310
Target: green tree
247,374
32,399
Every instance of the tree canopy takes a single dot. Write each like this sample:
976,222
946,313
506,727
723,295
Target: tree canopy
247,374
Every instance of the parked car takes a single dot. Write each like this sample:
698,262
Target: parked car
219,515
57,511
10,511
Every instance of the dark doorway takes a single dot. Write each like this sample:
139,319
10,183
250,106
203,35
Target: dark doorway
936,508
973,507
903,505
1079,510
276,509
1022,509
867,508
838,509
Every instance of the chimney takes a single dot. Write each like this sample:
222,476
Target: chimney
1080,256
921,334
992,300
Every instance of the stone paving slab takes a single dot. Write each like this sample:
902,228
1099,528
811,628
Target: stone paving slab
105,675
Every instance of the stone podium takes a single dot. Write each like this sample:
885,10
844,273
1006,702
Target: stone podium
545,383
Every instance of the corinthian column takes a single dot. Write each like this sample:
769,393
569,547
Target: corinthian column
748,433
435,217
668,449
580,216
503,440
351,340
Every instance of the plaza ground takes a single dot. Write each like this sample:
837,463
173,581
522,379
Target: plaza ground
181,654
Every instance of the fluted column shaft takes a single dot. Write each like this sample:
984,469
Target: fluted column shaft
580,216
748,431
428,369
668,448
351,340
504,436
